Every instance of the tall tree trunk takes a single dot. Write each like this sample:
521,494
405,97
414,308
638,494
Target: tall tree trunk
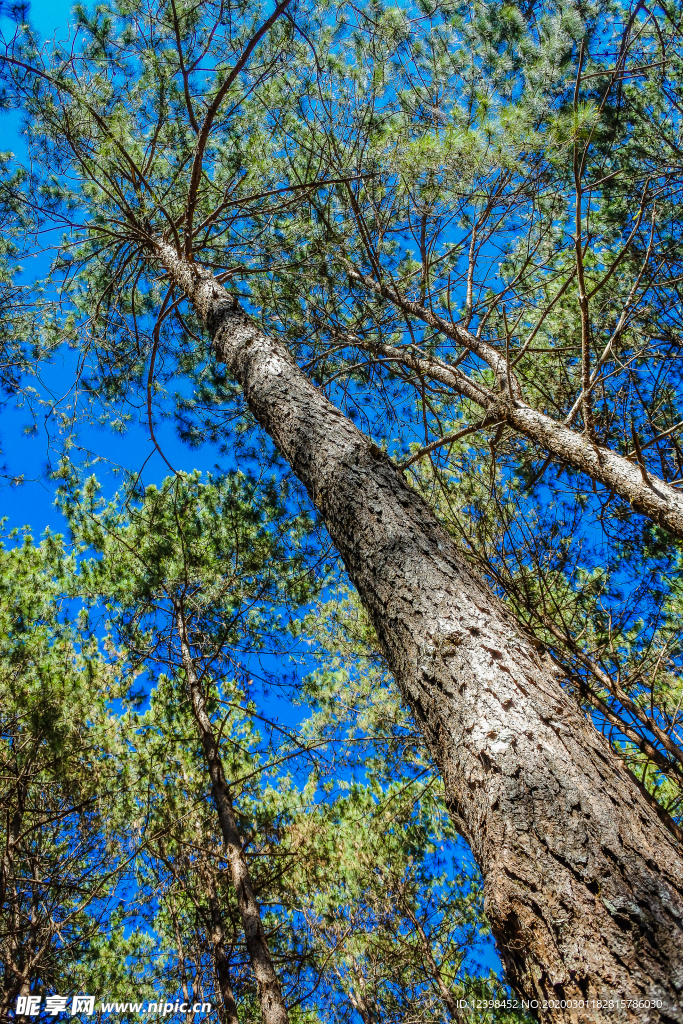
182,966
8,908
273,1009
583,882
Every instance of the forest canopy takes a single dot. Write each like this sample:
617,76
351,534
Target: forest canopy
377,652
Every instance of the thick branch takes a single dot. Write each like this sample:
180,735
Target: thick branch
648,494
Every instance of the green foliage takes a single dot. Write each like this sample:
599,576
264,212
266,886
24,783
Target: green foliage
62,758
476,158
229,549
367,896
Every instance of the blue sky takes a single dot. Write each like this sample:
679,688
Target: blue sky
31,503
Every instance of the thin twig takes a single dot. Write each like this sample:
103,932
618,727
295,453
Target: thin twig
449,438
639,456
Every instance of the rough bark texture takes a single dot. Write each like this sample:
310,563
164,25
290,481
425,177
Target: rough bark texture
583,883
273,1009
646,493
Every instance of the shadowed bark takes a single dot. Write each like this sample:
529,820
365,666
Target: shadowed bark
229,1010
583,882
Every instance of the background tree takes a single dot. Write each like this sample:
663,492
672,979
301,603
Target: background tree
193,572
62,869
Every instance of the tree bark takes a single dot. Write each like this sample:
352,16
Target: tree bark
583,882
273,1009
644,491
222,963
228,1012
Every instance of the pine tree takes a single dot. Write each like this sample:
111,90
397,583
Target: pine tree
189,173
196,578
63,867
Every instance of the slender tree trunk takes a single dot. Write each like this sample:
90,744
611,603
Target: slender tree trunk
182,967
447,997
8,902
583,882
222,963
217,939
13,834
355,996
273,1009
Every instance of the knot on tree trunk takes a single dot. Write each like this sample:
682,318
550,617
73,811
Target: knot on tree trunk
500,406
